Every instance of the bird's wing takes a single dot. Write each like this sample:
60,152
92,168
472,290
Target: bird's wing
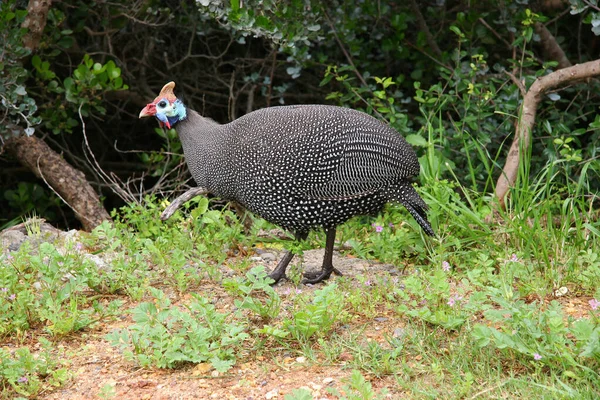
358,162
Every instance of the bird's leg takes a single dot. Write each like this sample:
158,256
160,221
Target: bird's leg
327,267
279,271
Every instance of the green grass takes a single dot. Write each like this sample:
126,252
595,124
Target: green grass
475,313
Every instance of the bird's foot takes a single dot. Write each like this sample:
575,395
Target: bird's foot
277,277
320,276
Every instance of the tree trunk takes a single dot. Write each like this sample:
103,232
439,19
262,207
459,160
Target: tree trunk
69,183
527,119
32,152
35,22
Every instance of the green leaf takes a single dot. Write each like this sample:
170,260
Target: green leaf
326,80
68,83
36,61
221,365
115,73
20,90
457,31
299,394
417,140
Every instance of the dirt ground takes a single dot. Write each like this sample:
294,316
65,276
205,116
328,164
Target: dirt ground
95,364
100,371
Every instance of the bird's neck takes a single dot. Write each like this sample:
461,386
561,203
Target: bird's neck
201,139
194,127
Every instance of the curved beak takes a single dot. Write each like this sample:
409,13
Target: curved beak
148,111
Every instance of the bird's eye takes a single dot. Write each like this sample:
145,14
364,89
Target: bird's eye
162,104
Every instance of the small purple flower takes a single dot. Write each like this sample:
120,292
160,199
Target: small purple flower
368,282
391,225
446,266
453,299
78,246
22,379
287,291
537,357
594,304
9,257
298,291
12,297
378,228
514,258
4,290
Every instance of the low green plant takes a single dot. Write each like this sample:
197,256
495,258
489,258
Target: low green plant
49,287
312,315
358,388
165,336
542,335
428,296
299,394
375,358
27,374
316,314
256,291
107,392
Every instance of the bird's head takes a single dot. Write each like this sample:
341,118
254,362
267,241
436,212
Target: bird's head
166,107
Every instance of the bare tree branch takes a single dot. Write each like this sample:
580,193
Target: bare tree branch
527,119
61,177
551,47
178,202
423,27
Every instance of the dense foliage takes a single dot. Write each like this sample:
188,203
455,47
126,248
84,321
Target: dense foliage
445,74
502,309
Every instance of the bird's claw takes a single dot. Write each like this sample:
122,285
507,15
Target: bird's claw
323,274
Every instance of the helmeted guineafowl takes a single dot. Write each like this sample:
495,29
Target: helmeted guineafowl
301,167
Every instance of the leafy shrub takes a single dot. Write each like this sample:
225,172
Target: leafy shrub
257,292
165,336
539,333
50,288
16,105
29,374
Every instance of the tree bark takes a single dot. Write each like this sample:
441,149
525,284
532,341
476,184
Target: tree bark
551,47
70,183
527,119
423,27
35,22
32,152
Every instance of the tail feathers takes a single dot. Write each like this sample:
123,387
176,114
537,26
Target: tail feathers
409,198
421,217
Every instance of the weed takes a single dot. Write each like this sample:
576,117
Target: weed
257,284
29,374
165,336
49,287
358,388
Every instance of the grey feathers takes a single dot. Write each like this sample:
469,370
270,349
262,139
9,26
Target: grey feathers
304,167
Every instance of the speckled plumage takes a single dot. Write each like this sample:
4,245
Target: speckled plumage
301,167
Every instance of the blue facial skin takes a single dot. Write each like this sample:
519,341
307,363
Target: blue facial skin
171,113
163,118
